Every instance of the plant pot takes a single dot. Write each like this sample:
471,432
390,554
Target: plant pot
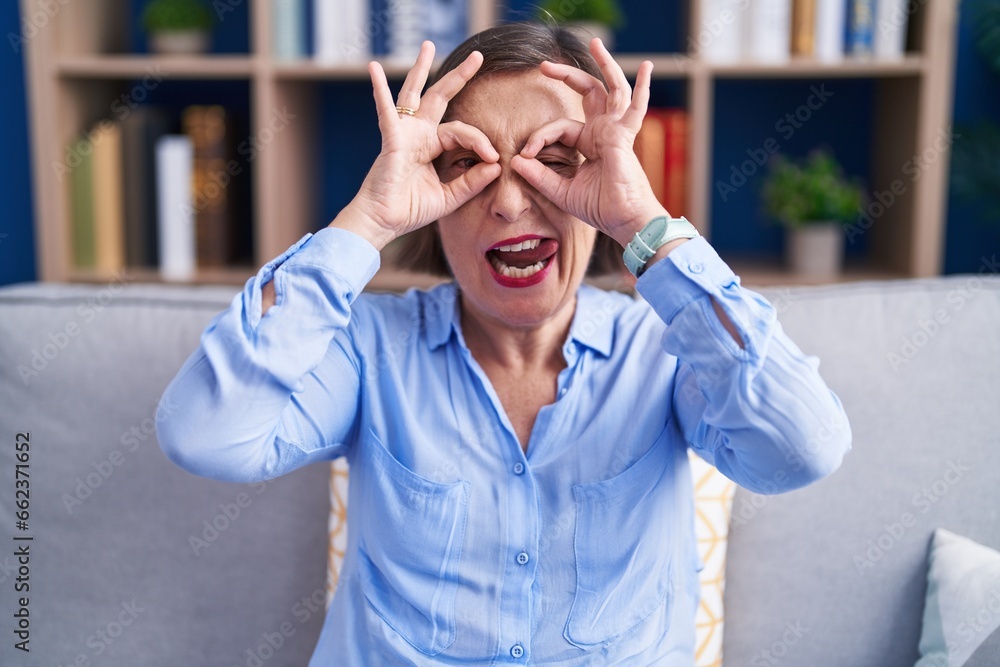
179,42
587,31
815,249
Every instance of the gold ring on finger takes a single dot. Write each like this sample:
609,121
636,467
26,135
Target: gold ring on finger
406,111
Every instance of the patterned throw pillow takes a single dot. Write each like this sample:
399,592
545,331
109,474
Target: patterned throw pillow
337,525
713,502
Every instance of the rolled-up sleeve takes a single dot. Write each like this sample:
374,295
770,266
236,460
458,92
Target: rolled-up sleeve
265,394
759,412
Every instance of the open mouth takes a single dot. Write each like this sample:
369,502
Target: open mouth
522,261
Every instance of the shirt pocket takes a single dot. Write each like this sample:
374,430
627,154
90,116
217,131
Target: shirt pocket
409,548
622,549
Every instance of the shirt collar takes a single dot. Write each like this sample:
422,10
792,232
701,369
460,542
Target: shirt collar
593,321
440,313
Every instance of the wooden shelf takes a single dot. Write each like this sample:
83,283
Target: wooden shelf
911,65
234,275
665,65
137,66
679,65
74,71
309,70
771,272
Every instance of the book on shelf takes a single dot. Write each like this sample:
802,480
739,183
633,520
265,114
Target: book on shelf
288,29
109,223
829,32
95,200
119,173
768,31
731,31
407,30
341,31
447,24
140,130
81,205
719,35
380,18
221,227
891,18
175,213
861,28
354,31
804,28
662,148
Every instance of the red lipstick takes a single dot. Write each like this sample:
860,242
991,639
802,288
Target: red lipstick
501,263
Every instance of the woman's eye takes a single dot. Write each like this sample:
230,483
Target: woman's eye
466,162
558,165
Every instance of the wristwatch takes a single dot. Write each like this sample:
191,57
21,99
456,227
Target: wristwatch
658,232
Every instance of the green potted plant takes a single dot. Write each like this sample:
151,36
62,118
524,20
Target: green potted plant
178,26
813,199
586,18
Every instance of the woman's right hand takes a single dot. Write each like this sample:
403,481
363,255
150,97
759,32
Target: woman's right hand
402,191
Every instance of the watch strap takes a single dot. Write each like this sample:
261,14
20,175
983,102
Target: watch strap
654,235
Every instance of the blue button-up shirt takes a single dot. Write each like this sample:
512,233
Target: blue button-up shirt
462,548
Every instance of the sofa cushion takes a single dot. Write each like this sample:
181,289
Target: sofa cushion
838,568
961,625
135,561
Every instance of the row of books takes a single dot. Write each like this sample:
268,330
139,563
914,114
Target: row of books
662,149
143,195
355,31
772,31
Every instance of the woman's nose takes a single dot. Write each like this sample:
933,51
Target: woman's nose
509,195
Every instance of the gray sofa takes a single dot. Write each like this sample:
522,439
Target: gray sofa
136,562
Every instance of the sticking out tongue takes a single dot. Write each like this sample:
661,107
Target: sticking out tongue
524,258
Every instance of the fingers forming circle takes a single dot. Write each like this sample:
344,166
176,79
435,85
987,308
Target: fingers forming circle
619,90
595,96
640,98
409,94
564,130
456,134
435,100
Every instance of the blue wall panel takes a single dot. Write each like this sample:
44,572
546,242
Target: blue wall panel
17,247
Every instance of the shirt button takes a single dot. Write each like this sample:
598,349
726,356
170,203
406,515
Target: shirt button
562,392
518,468
522,558
517,650
696,268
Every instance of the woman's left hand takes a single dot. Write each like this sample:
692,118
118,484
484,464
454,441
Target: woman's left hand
609,191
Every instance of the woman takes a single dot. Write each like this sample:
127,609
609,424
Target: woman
517,440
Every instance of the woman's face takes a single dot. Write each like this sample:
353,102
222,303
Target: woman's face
521,288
